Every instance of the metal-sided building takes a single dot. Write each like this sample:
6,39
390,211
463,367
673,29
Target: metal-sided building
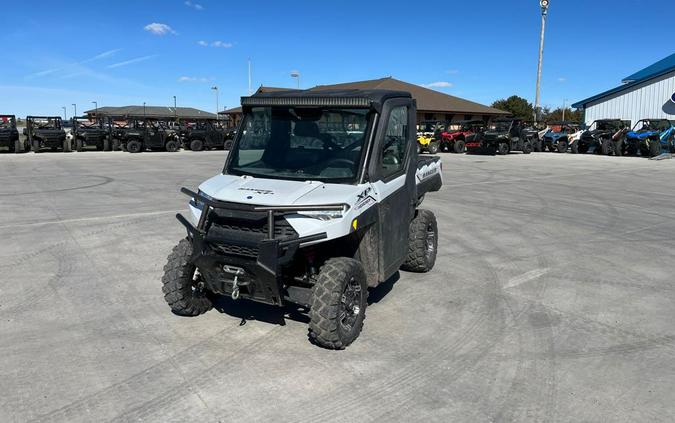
648,93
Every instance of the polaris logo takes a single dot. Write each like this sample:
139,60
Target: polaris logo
258,191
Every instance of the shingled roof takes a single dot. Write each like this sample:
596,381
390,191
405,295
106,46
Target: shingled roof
153,111
427,100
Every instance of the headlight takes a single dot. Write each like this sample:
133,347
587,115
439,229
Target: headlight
323,214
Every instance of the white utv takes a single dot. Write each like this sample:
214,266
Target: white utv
318,201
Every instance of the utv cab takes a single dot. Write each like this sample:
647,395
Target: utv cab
87,132
203,134
649,138
140,134
455,139
9,135
601,137
557,138
46,132
502,136
318,201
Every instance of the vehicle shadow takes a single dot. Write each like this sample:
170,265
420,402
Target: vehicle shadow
246,310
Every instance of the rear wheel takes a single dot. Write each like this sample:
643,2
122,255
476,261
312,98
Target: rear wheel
197,145
618,147
106,144
227,145
67,146
422,242
171,146
183,286
18,146
338,303
575,148
654,148
134,146
503,148
35,146
79,145
562,146
459,147
432,148
607,147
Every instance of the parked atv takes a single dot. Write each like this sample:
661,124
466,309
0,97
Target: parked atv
557,138
600,137
503,136
89,133
428,134
46,132
203,134
649,137
140,134
308,213
9,135
455,140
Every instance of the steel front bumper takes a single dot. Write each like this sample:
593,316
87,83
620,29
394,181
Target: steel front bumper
259,272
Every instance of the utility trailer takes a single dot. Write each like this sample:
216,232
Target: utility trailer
318,201
44,132
9,135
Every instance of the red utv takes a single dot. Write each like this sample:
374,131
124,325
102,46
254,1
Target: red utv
455,139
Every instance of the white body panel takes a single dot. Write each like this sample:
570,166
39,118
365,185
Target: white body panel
650,99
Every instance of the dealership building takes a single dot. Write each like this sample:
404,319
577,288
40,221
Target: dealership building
648,93
431,104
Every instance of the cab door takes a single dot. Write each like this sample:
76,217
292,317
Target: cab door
392,169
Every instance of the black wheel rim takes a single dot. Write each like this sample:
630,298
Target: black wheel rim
430,242
350,304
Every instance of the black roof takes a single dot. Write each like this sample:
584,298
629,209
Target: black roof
339,98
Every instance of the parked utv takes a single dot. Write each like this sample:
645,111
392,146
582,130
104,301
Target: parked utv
9,135
86,132
46,132
600,137
649,137
318,201
557,138
502,136
203,134
428,134
455,140
140,134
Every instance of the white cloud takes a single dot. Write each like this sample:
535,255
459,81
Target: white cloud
159,29
195,6
452,71
217,44
131,61
194,79
439,84
562,79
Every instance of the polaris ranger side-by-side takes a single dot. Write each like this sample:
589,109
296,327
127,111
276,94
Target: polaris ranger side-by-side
318,201
600,137
86,132
501,137
455,139
203,134
649,137
557,139
9,135
140,134
46,132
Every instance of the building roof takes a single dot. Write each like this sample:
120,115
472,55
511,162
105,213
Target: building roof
656,70
659,68
427,100
153,111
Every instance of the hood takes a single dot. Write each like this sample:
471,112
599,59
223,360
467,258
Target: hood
274,192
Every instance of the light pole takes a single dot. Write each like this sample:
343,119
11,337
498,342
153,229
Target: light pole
564,106
215,88
74,109
544,11
65,117
296,74
175,112
96,109
144,112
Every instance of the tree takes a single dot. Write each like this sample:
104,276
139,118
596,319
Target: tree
556,115
517,106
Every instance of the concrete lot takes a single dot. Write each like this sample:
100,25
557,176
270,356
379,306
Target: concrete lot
552,300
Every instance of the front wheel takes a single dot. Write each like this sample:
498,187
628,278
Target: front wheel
503,148
196,145
171,146
654,148
459,146
78,145
107,145
18,146
182,283
562,146
607,147
134,146
575,148
432,148
527,148
338,303
227,145
422,243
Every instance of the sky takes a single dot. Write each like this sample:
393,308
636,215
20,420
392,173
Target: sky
59,53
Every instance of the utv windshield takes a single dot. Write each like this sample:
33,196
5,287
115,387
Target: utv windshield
500,126
47,123
6,122
301,143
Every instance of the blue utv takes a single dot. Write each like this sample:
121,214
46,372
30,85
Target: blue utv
649,138
557,138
